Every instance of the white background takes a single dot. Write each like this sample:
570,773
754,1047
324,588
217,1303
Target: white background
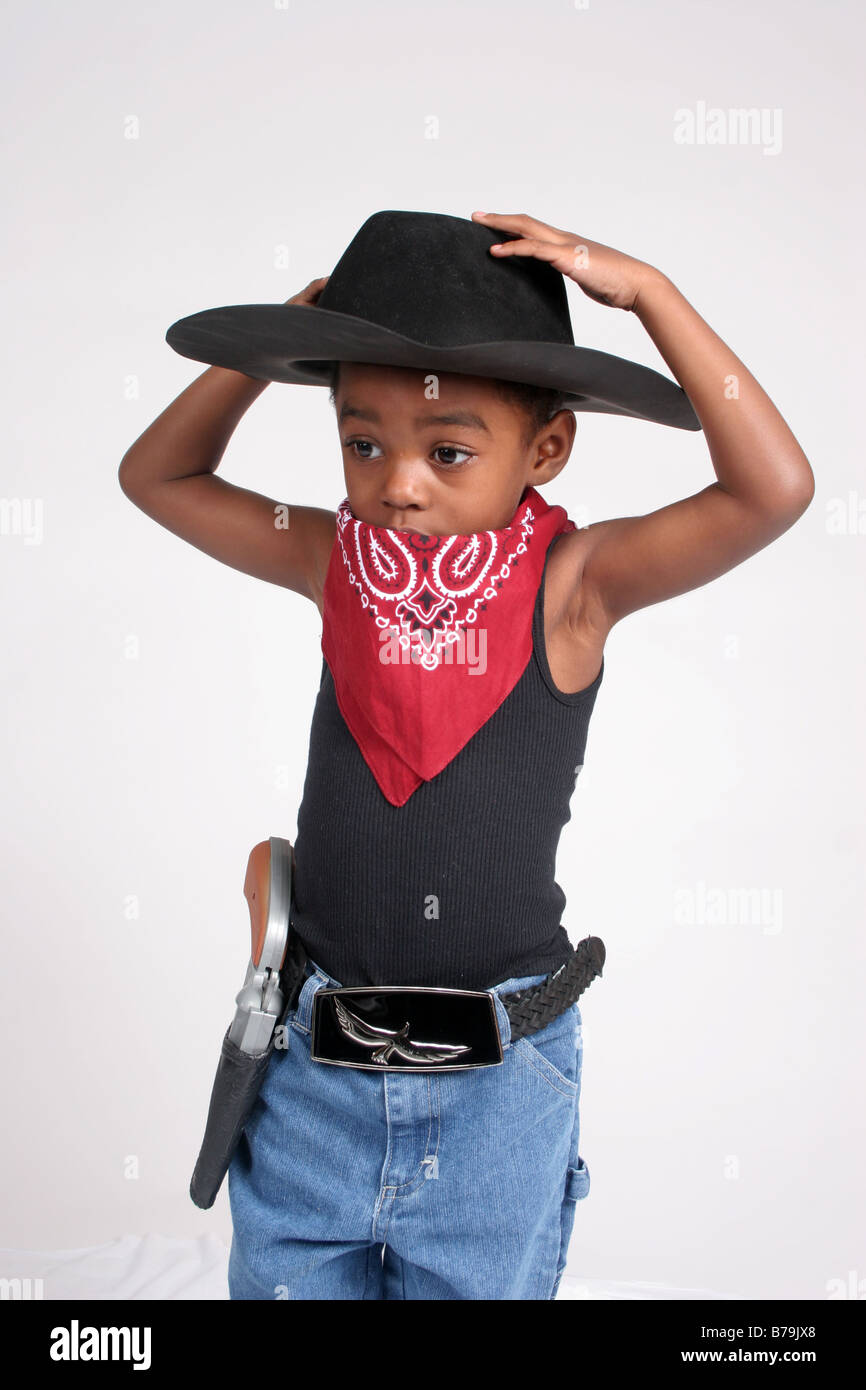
157,703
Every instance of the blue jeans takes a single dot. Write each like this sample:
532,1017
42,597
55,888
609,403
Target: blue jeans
356,1184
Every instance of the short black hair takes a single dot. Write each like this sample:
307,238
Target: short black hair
538,403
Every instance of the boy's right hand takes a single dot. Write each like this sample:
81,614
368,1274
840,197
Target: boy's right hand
310,293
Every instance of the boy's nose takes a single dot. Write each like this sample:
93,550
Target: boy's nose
403,486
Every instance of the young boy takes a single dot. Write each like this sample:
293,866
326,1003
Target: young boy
464,624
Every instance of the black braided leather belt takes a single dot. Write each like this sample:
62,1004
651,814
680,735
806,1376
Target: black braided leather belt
412,1028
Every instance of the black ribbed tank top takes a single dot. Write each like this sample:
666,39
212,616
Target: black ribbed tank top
456,887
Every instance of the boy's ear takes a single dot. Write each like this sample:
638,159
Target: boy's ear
556,440
547,466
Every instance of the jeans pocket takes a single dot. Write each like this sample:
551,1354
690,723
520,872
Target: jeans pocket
576,1187
577,1182
556,1051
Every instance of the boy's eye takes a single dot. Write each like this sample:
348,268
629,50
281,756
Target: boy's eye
360,443
451,449
440,449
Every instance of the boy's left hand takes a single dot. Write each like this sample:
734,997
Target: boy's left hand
605,275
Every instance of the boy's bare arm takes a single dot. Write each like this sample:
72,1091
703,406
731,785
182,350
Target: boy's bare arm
169,473
763,478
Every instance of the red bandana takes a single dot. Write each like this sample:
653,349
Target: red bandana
425,636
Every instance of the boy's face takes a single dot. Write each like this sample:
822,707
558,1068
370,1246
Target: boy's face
408,469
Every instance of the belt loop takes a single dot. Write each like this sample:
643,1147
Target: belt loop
502,1019
511,986
316,980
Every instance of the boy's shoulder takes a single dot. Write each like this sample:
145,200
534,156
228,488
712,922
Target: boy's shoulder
320,533
575,629
567,599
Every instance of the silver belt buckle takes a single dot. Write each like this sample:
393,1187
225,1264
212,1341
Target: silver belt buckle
405,1028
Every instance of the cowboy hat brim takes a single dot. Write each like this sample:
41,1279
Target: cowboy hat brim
296,343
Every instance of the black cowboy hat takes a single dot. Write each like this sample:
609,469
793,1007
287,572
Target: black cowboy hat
419,289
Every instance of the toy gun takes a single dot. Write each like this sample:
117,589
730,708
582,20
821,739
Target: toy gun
274,976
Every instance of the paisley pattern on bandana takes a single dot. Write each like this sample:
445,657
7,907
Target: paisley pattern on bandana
434,600
429,588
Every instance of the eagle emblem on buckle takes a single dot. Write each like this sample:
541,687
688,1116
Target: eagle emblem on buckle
390,1041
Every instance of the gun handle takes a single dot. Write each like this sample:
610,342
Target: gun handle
257,894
